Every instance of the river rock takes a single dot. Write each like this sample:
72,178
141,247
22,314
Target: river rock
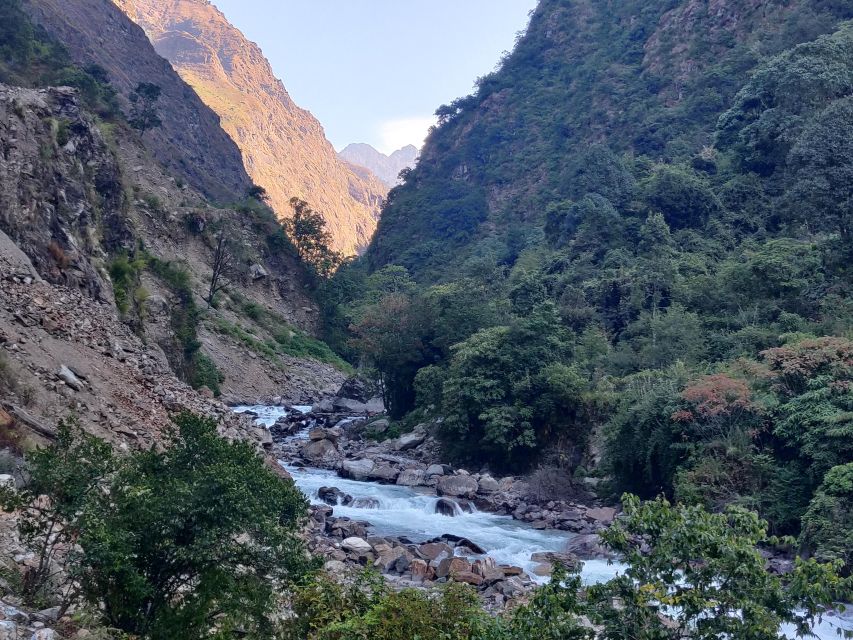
8,630
384,472
434,551
45,634
488,484
357,469
456,486
468,577
446,507
334,496
320,451
419,569
411,478
587,546
334,434
356,545
451,566
601,515
408,441
437,470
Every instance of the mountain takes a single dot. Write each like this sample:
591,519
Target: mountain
643,78
628,256
109,239
284,147
190,141
386,168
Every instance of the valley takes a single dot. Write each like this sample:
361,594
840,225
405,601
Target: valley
580,367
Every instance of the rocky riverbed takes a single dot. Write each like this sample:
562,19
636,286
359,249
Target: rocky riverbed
390,505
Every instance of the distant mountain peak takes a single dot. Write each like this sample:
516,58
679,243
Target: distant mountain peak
386,167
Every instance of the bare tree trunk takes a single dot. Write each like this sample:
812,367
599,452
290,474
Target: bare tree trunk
221,265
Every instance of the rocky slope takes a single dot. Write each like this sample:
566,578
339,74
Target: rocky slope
284,147
190,143
386,168
78,198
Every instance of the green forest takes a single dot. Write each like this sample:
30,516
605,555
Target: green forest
611,265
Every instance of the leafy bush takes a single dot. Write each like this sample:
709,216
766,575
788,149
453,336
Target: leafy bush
197,540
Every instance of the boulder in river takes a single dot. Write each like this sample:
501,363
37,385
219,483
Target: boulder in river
488,484
411,478
446,507
320,451
357,469
333,496
587,546
457,486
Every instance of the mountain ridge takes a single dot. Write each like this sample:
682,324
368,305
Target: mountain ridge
386,167
283,145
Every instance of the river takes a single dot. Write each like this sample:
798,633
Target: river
406,512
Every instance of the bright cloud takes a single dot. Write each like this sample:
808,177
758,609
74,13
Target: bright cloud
395,134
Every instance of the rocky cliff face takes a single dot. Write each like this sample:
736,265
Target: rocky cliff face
386,168
190,143
76,199
284,147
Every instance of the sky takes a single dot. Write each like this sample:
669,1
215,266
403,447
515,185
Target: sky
376,70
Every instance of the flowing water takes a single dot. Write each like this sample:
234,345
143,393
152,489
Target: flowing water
406,512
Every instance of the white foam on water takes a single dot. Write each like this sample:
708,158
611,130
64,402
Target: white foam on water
402,511
267,415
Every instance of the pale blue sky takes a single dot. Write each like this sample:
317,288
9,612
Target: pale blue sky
375,70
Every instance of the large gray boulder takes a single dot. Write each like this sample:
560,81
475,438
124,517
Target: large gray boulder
357,469
457,486
411,478
488,484
320,451
408,441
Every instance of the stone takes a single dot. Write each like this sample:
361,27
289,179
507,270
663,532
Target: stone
510,570
333,496
379,426
468,578
543,570
257,272
408,441
602,515
357,469
7,481
356,545
335,567
48,615
419,569
387,559
457,486
320,451
488,484
411,478
334,434
446,507
45,634
437,470
586,546
69,378
434,551
449,567
384,472
8,630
